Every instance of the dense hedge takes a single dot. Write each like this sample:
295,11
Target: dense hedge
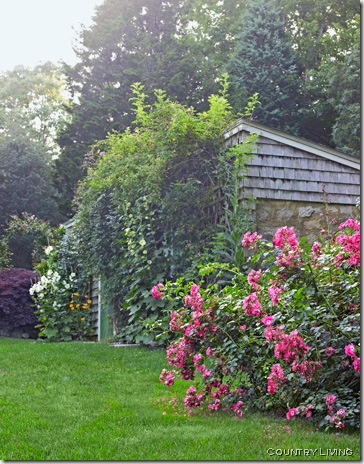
16,306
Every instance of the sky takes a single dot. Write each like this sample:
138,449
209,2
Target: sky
35,31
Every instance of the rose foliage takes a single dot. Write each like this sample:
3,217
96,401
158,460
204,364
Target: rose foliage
284,336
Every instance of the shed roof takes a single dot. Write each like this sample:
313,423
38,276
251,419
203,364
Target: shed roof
291,168
243,125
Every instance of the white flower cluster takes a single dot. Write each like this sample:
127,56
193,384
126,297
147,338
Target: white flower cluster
51,281
48,250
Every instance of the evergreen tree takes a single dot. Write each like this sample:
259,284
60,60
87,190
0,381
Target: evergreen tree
264,61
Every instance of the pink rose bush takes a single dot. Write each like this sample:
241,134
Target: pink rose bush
284,332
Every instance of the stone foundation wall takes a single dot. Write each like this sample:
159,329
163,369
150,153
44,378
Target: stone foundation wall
307,218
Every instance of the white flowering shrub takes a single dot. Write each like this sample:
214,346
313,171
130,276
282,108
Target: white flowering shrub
63,306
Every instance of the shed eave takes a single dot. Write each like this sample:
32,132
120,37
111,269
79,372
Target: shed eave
291,140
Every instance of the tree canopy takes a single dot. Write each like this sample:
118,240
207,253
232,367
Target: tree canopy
291,53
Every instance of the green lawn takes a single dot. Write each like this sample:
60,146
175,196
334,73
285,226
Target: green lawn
88,401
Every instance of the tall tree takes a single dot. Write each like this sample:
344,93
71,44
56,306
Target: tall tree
264,61
324,35
346,133
168,45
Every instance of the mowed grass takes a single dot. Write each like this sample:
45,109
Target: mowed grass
89,401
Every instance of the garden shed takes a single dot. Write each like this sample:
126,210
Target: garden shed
285,180
284,185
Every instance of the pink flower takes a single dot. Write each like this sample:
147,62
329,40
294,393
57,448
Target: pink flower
214,406
285,237
197,359
341,412
350,249
206,374
191,390
167,377
194,299
236,407
356,364
250,240
329,351
187,373
307,410
252,305
273,333
286,240
330,400
291,413
176,320
162,375
157,290
192,400
273,292
290,347
253,278
267,320
276,378
350,350
316,250
243,327
223,389
352,223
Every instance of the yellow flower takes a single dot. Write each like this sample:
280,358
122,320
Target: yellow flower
82,318
89,302
76,294
85,306
78,305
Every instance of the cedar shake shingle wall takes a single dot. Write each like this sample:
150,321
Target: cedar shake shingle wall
287,173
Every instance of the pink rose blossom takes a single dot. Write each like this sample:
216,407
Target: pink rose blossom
330,400
350,350
267,320
273,292
356,364
252,305
157,290
276,378
291,413
341,412
253,278
197,359
250,240
352,223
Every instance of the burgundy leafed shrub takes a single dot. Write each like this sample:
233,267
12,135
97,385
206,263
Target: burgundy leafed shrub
16,306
